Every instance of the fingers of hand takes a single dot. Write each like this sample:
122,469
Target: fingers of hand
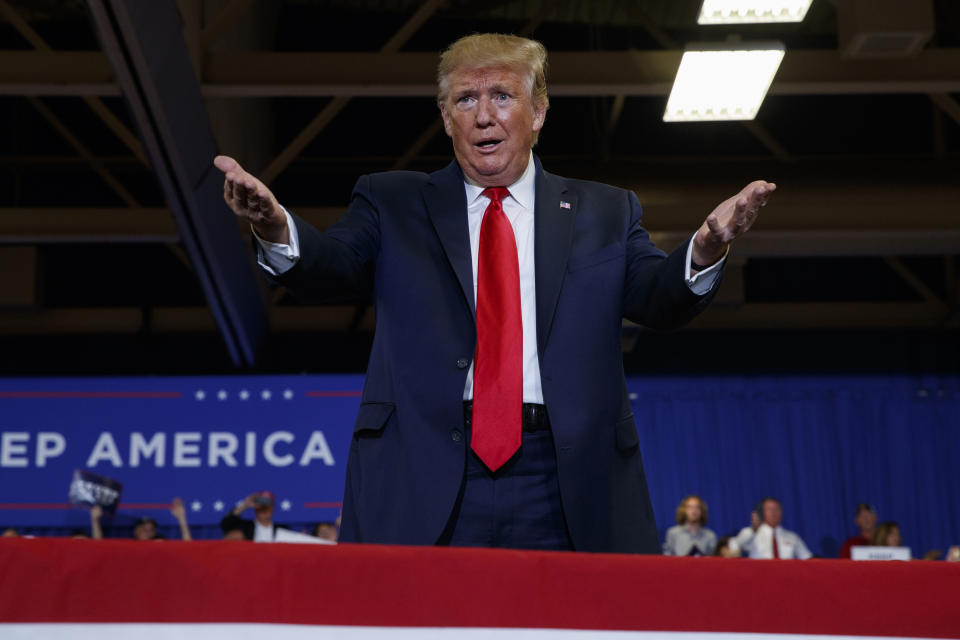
225,163
714,225
245,196
740,214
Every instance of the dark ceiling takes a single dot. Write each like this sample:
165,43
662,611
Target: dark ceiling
859,248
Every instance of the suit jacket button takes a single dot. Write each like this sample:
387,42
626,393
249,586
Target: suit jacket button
455,435
462,363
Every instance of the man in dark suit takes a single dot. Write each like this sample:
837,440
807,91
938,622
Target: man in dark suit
495,411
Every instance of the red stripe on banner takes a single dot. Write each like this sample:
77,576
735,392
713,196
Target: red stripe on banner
62,580
334,394
322,505
90,394
43,506
26,506
143,505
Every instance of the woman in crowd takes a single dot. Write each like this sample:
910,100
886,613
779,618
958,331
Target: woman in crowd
690,536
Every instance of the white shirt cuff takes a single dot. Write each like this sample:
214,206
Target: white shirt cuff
276,258
701,282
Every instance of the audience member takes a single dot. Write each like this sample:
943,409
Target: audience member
326,531
690,536
145,529
866,519
726,548
10,532
180,513
888,535
96,531
769,539
261,528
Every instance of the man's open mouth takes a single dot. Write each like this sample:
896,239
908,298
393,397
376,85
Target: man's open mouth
486,145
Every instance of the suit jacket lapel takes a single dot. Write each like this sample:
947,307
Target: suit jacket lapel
446,202
554,213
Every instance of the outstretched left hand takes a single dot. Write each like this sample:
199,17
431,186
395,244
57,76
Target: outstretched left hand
731,219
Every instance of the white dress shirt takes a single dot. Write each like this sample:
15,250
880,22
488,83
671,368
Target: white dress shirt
759,544
518,207
262,532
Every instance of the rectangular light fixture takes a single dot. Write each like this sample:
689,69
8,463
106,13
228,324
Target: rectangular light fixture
752,11
722,81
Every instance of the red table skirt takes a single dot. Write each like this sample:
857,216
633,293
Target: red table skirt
367,586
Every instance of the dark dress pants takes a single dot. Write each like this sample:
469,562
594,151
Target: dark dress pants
516,507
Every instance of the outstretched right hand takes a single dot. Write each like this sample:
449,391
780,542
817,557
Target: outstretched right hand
251,200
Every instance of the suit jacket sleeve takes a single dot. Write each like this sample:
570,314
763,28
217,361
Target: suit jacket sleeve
337,265
655,293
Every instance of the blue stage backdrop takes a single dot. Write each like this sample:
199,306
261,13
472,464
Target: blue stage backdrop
210,441
820,445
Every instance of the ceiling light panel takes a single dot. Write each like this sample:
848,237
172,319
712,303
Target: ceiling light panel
717,82
752,11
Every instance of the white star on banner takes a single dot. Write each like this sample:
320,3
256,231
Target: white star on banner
221,395
285,505
288,394
196,505
218,505
244,394
265,394
199,395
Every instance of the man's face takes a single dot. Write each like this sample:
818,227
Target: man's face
772,513
692,510
145,531
866,520
489,116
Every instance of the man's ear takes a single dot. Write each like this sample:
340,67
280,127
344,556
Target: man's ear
447,125
539,116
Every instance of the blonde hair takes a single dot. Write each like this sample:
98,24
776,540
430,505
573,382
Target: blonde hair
485,50
682,509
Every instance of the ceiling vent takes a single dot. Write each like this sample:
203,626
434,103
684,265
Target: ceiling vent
884,28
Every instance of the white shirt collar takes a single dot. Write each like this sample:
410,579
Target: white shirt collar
522,191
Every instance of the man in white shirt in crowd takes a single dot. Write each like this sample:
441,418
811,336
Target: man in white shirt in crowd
261,528
769,539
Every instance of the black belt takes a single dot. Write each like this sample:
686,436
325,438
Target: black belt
535,416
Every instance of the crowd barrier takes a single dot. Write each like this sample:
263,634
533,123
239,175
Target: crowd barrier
62,588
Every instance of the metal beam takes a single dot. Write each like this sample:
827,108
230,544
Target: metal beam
20,225
821,315
915,282
224,19
167,320
598,73
80,148
144,43
336,105
80,320
948,105
96,104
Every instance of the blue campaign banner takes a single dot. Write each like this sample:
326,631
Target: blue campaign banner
208,440
820,444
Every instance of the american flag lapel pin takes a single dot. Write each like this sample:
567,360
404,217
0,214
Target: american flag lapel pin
564,204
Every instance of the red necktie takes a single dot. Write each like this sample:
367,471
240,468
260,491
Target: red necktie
498,364
776,552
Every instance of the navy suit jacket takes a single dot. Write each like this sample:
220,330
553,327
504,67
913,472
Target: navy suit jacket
404,239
